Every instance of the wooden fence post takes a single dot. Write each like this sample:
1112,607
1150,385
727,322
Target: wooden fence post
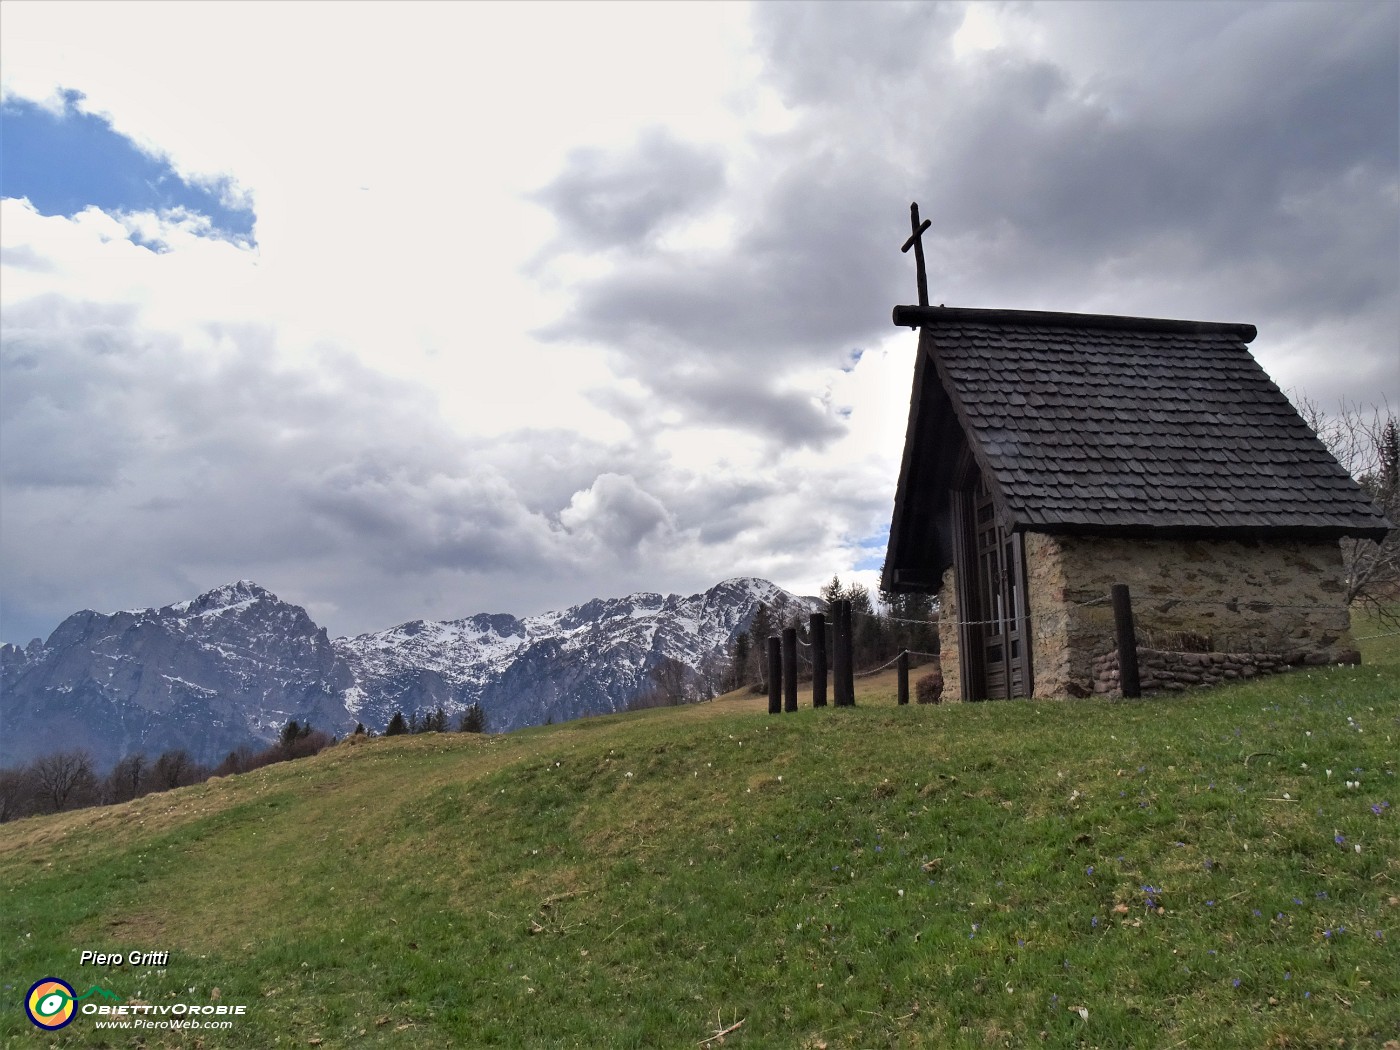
789,668
850,686
844,664
817,629
903,665
1127,642
775,675
838,650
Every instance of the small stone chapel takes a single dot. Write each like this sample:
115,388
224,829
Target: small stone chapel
1049,456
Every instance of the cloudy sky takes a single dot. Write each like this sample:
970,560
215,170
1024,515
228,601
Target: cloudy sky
424,310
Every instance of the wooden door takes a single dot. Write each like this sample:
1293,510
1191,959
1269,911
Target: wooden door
996,635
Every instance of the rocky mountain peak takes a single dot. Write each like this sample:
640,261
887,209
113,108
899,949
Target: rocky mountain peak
234,664
230,595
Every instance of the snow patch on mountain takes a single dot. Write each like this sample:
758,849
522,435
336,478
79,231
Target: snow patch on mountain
234,664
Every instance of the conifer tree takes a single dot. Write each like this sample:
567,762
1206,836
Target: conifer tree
759,631
738,661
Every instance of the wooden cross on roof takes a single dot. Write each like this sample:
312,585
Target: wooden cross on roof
915,241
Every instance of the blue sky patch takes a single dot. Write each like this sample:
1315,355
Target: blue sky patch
874,548
66,162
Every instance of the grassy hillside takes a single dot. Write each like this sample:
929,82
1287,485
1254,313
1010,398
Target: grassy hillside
1186,873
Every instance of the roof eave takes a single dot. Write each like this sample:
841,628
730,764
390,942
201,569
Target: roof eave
919,316
1322,533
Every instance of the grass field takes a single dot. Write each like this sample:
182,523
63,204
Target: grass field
1218,869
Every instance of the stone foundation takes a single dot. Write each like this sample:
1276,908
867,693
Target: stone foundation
1282,599
1160,671
948,651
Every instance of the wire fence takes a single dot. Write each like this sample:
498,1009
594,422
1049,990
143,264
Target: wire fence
1152,603
876,670
890,663
1155,634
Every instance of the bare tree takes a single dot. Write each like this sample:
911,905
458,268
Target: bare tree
713,673
124,782
1366,442
668,685
311,742
63,777
16,793
239,760
174,768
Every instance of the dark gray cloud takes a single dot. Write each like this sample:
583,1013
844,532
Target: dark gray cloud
749,401
784,290
604,200
1226,161
1311,102
45,387
825,53
713,337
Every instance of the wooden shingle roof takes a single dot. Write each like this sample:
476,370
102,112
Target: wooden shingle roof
1113,425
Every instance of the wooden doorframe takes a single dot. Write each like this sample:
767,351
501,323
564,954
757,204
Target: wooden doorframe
1017,673
970,665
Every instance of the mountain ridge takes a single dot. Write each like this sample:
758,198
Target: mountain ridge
232,665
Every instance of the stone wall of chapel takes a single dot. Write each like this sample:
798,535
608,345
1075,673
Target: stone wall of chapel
1285,598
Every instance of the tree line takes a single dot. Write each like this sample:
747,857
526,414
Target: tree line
472,720
879,632
68,780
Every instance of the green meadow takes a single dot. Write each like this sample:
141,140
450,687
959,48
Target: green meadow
1217,869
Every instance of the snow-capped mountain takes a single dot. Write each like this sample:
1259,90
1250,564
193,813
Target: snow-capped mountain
235,664
228,668
591,658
